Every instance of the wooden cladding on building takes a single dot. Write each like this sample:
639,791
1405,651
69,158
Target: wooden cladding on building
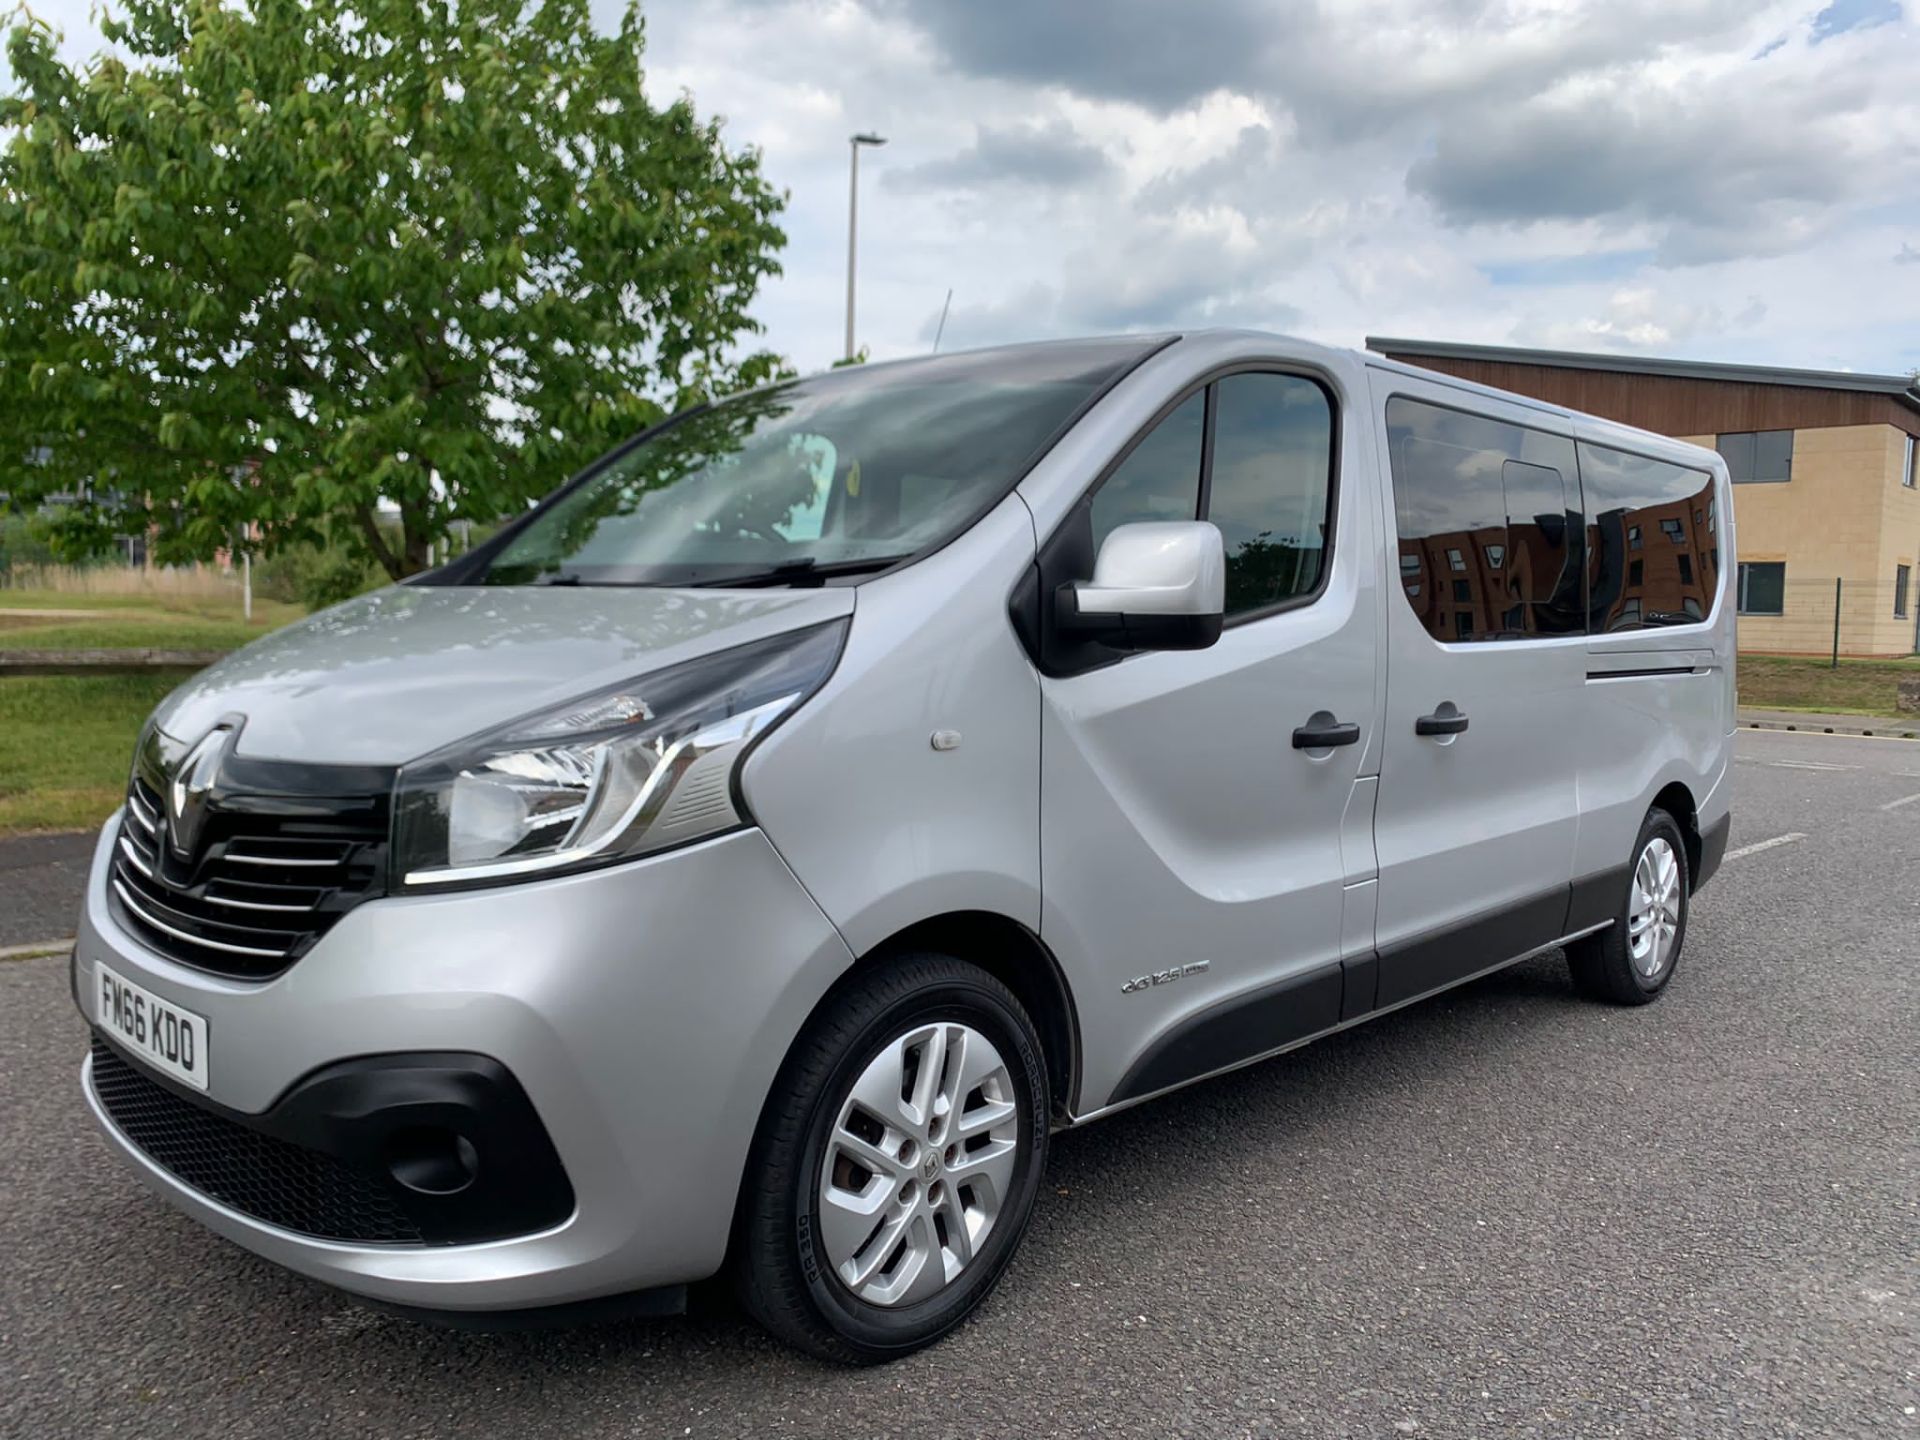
1672,405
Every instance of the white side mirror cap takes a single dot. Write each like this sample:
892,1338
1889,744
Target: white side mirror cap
1157,585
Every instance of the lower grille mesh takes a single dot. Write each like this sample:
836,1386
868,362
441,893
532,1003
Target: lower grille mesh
271,1180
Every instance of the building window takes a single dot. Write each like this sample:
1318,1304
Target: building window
1496,556
1907,476
1456,560
1463,591
1409,564
1674,531
1686,569
1633,537
1901,575
1758,457
1637,573
1763,587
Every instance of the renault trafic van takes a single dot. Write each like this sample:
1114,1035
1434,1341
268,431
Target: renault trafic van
743,863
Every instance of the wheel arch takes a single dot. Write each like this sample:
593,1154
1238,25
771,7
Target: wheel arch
999,945
1018,959
1677,800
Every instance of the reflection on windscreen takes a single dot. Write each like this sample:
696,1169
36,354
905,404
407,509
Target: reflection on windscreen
841,468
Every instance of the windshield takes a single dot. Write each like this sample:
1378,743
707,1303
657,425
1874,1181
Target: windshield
842,472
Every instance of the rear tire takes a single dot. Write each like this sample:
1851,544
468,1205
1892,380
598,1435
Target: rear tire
896,1165
1632,960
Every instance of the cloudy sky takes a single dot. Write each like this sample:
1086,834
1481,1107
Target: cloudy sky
1726,179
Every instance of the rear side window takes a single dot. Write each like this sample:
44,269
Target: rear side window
1160,479
1670,577
1494,509
1269,485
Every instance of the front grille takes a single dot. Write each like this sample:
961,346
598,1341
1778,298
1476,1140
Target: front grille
271,1180
273,870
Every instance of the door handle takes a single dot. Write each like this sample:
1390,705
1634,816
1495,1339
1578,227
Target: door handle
1438,724
1324,736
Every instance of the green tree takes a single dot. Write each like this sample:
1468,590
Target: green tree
301,257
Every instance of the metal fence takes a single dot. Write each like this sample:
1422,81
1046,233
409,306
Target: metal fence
1833,616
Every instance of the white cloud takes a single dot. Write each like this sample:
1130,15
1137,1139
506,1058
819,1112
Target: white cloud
1725,178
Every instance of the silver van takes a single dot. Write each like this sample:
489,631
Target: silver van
743,863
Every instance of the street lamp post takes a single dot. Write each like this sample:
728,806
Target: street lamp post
853,221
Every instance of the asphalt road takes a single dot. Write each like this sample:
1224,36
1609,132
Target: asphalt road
41,877
1504,1212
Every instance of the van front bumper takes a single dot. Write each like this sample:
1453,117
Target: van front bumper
639,1013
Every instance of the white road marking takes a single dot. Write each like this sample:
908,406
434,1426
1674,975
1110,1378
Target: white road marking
1896,804
1759,845
1798,764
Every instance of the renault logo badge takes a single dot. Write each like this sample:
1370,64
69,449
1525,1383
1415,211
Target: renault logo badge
187,791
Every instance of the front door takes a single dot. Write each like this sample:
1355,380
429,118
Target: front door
1196,856
1478,808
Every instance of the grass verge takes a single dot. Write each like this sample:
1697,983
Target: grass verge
182,632
206,607
65,744
1858,687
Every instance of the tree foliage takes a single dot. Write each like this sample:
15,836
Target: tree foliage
295,258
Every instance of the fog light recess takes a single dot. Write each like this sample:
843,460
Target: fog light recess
432,1161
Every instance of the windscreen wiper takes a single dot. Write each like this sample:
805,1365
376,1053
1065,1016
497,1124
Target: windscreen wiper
808,571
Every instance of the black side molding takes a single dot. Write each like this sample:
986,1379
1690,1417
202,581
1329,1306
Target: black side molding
1433,962
1237,1029
1596,899
1713,849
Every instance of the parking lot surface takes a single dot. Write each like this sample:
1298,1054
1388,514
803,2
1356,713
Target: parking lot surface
1502,1212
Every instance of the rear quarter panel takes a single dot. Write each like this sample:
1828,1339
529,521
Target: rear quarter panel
1646,731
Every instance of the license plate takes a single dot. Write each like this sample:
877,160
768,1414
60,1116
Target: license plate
158,1031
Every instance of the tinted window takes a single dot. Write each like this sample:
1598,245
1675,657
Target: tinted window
1268,490
1901,575
1628,496
1160,479
1762,457
1489,505
1762,587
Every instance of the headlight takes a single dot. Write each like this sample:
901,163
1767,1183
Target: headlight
630,769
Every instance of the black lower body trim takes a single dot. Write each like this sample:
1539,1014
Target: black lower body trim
1597,898
1236,1030
602,1309
1433,962
1713,849
433,1149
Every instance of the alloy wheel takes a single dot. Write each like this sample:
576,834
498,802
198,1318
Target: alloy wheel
1653,911
918,1164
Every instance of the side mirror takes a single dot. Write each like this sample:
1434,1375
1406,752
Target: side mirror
1158,585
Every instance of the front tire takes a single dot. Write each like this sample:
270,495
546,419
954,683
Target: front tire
1633,959
897,1163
